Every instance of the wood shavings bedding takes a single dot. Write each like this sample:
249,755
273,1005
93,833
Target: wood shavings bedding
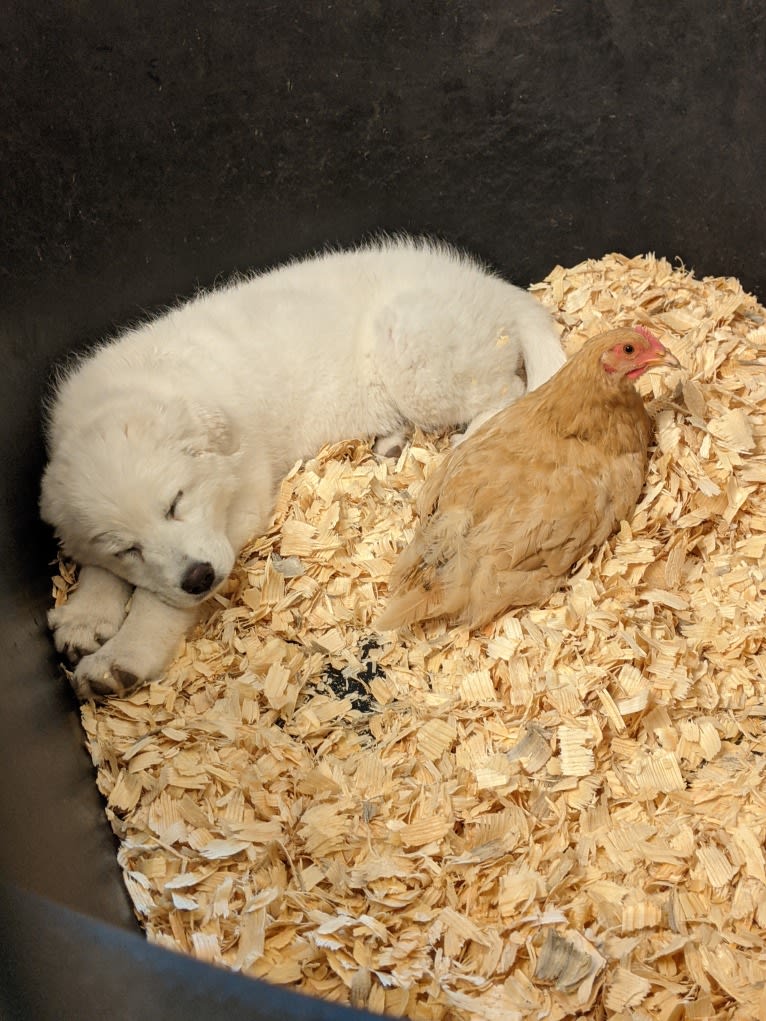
562,815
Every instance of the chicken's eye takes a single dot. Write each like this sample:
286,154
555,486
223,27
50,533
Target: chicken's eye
628,349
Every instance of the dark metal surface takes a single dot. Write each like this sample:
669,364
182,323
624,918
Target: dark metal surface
147,149
59,965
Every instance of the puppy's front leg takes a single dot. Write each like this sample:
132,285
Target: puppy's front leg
139,652
92,614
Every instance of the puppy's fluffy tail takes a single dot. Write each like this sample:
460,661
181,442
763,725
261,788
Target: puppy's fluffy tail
540,345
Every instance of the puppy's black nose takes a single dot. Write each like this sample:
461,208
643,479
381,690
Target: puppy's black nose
198,578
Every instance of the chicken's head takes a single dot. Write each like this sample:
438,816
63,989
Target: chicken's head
632,351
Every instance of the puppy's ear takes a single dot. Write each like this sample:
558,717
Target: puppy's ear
212,432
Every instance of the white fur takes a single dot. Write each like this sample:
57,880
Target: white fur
219,397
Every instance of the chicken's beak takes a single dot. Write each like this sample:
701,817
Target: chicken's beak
665,358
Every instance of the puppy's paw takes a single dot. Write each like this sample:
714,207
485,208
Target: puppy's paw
140,651
79,630
101,675
126,662
390,446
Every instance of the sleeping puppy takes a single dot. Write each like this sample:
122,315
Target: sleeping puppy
166,444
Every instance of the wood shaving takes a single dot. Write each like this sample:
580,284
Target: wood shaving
563,815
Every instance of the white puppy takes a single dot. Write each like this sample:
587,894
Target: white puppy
167,443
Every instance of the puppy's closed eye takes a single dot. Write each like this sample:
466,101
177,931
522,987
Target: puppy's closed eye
130,551
172,512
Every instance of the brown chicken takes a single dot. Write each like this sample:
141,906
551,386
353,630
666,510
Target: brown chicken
541,484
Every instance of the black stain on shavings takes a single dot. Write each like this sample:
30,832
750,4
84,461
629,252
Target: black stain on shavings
344,686
365,650
353,682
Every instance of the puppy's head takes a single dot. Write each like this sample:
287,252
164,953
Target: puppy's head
144,490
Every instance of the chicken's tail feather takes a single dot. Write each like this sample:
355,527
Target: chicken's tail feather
423,582
403,609
418,604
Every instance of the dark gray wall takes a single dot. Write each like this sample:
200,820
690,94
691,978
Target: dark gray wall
149,149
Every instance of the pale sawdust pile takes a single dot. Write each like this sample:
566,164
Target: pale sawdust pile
563,815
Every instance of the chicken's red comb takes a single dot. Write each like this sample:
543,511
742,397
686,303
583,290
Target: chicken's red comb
647,334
